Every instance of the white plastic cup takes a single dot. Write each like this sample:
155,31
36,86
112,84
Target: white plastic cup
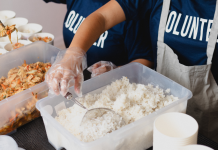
174,130
7,143
17,21
43,35
3,51
8,47
174,141
6,14
29,29
195,147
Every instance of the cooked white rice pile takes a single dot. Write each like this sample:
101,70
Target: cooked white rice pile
130,101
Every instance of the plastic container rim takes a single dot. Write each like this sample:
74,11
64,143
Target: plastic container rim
70,136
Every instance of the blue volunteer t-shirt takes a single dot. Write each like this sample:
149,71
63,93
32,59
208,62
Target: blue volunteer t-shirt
121,44
187,30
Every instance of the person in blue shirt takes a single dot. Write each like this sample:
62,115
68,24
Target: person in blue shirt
120,45
183,38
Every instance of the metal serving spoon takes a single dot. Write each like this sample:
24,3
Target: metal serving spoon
96,112
2,29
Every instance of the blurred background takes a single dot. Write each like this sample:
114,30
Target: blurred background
49,15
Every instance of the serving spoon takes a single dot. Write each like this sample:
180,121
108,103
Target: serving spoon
4,30
95,113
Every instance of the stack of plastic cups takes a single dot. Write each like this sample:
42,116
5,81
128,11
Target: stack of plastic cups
195,147
173,131
8,143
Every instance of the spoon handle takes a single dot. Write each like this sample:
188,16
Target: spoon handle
2,27
69,96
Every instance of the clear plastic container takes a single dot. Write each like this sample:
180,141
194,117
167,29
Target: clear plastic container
135,136
10,108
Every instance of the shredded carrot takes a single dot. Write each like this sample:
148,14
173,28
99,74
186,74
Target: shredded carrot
27,67
36,96
8,32
48,66
24,62
4,87
18,82
32,93
37,66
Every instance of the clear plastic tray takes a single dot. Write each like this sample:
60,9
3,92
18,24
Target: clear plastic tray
135,136
10,118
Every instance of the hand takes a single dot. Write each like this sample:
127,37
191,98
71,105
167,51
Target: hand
101,67
67,71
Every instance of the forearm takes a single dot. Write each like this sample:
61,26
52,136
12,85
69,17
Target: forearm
89,31
144,62
95,24
56,1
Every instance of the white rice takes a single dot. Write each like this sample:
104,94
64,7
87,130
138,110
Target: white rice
130,101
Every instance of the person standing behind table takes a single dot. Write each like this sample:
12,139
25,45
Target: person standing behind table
184,43
120,45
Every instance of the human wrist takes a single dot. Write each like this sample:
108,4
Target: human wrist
75,50
77,54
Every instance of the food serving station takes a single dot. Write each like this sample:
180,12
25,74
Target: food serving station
21,111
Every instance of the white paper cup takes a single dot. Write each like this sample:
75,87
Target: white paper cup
174,130
43,35
5,40
6,14
3,51
9,47
29,29
17,21
195,147
7,143
174,141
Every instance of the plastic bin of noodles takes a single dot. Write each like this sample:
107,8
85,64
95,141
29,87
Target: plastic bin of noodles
19,109
135,136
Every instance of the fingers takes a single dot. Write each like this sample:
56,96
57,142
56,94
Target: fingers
65,81
60,80
64,86
78,82
68,65
101,67
55,83
53,79
96,65
99,71
93,67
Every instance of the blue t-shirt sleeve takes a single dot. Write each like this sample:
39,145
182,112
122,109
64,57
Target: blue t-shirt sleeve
57,1
137,41
136,9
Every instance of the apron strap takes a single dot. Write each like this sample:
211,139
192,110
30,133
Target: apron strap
213,37
163,20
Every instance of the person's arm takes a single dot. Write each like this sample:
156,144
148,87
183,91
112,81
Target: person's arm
137,42
144,62
68,68
98,22
56,1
